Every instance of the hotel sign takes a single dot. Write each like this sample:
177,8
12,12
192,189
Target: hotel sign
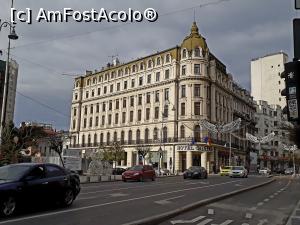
194,148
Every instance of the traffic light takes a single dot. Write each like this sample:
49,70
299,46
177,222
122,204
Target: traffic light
291,75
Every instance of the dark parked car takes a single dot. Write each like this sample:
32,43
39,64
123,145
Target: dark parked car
139,173
195,172
27,183
118,171
279,171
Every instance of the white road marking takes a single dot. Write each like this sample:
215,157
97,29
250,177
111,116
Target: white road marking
108,203
275,193
252,208
271,196
118,195
205,222
226,222
167,201
261,222
245,224
266,200
260,203
210,211
188,221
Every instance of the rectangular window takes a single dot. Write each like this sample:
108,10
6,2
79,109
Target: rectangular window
131,116
156,112
197,108
132,101
166,111
103,107
124,103
139,115
99,91
118,86
84,123
123,117
183,70
167,74
125,85
111,88
166,94
91,122
97,121
149,78
74,112
103,120
197,70
140,81
157,76
197,90
147,113
110,105
105,90
116,118
156,96
132,83
183,91
86,94
109,119
140,98
183,109
85,110
97,108
148,97
117,104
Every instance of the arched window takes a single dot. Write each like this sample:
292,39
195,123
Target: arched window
77,84
197,133
89,140
182,131
165,134
138,136
155,134
83,140
122,136
108,138
167,58
141,66
94,80
88,82
95,138
101,139
126,70
130,137
133,68
115,136
158,61
149,64
146,135
184,53
197,52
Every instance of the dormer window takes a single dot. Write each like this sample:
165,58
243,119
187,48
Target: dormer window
167,58
184,53
158,61
77,84
133,68
94,80
149,64
126,70
141,66
197,52
88,82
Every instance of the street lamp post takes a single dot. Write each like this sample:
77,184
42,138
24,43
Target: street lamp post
222,129
12,36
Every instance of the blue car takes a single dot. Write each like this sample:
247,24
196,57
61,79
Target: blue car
38,183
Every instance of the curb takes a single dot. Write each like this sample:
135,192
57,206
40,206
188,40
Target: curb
167,215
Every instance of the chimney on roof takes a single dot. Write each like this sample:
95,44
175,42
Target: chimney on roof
88,72
108,65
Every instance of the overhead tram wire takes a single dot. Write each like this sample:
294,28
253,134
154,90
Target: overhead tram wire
120,25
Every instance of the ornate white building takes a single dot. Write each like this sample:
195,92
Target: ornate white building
158,101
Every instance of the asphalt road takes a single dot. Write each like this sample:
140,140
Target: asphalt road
268,205
115,203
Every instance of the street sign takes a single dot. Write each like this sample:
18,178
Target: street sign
72,159
296,31
297,4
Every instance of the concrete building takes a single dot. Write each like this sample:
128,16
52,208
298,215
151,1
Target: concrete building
158,101
266,83
12,86
269,118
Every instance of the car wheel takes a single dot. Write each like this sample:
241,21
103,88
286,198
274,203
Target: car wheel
8,206
124,180
184,177
68,197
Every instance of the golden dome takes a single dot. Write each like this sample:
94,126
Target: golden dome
194,40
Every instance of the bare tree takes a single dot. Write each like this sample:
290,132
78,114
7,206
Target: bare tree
113,153
143,151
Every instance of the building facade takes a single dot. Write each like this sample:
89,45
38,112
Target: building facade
158,101
266,83
269,118
12,86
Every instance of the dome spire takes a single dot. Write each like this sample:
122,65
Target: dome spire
194,29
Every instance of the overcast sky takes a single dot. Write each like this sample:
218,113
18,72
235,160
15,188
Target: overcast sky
236,31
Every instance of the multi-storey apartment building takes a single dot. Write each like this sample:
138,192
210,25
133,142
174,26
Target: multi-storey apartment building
266,83
269,118
158,101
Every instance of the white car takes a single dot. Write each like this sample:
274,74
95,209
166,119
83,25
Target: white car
264,171
238,171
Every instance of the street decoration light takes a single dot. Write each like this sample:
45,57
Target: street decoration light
291,148
222,129
12,36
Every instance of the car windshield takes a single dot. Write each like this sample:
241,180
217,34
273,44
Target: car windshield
193,168
237,168
226,168
13,172
136,168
